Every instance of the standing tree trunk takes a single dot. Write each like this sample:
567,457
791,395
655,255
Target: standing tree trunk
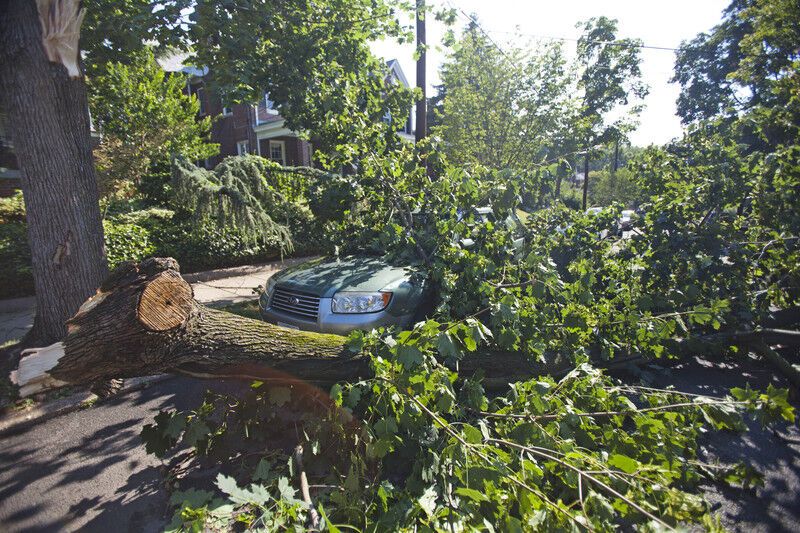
585,178
48,114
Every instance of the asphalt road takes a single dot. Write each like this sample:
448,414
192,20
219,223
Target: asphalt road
88,471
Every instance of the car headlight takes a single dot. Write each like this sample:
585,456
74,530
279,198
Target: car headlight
360,302
267,294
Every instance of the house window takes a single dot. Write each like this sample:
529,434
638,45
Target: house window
227,111
277,151
242,147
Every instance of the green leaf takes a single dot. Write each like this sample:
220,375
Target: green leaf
409,356
191,498
262,471
428,501
471,434
229,486
624,463
472,494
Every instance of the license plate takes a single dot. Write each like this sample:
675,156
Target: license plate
285,325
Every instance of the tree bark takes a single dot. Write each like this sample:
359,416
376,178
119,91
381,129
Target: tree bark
48,115
143,321
421,131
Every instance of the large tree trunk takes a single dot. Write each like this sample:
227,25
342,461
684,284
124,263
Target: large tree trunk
48,115
143,320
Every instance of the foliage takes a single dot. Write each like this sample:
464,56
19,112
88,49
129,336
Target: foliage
504,109
12,209
146,119
608,187
610,80
703,64
314,59
610,76
749,60
115,30
257,197
16,275
126,242
414,447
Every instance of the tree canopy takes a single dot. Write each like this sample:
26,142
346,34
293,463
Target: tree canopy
508,108
146,119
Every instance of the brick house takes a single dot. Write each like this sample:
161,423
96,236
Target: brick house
259,129
239,129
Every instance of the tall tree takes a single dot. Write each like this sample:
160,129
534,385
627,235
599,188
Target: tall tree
44,97
610,79
314,59
113,30
747,62
503,108
146,119
703,64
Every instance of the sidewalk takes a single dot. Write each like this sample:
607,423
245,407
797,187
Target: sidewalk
215,288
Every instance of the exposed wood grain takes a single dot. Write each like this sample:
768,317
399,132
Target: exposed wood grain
165,302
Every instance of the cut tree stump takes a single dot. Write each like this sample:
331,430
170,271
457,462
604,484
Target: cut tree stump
143,320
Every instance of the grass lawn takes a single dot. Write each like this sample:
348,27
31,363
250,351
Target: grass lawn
247,308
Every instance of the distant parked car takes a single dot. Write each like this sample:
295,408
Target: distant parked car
626,219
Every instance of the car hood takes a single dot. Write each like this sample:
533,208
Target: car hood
325,277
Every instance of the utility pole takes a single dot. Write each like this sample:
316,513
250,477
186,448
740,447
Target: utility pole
421,130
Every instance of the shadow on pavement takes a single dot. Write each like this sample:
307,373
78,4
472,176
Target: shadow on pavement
776,506
88,470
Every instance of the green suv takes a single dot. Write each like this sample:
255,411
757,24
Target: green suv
339,295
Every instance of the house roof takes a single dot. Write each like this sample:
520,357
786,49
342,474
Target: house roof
177,63
394,68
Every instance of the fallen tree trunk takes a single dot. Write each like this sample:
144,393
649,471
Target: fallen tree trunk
143,320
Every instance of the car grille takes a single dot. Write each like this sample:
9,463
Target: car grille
295,303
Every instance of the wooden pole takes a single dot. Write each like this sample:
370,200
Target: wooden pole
421,130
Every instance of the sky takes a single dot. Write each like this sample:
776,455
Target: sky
657,23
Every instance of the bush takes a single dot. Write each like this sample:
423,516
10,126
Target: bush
12,209
206,247
16,277
126,242
606,187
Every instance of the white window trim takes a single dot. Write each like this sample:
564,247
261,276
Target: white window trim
242,147
227,111
282,144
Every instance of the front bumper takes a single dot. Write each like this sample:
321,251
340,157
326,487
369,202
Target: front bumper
329,322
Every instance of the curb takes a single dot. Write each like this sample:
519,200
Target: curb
17,422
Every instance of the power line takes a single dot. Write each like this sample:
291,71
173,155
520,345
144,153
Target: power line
477,24
627,44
